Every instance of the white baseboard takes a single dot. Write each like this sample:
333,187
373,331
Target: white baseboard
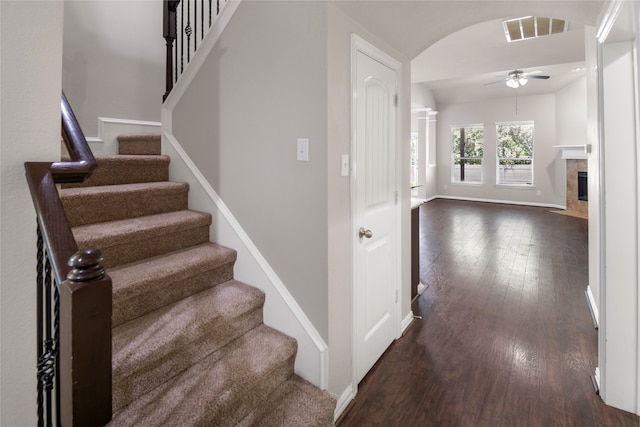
106,143
593,307
504,202
406,322
343,401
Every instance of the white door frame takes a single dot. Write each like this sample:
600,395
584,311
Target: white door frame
615,337
358,44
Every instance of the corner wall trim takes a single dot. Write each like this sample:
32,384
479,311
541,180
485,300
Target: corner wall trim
343,401
593,308
406,322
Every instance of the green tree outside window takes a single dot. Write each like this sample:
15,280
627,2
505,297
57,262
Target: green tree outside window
515,153
467,153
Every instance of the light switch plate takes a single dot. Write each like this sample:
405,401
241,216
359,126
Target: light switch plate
303,149
345,165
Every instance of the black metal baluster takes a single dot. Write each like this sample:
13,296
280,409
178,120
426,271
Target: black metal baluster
39,333
175,75
181,37
56,341
47,362
201,20
188,31
195,26
209,13
217,7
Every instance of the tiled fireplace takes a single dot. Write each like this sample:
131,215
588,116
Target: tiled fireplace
576,206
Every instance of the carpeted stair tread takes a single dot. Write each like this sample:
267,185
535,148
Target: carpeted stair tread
147,285
296,402
130,240
111,170
89,205
154,348
139,144
221,389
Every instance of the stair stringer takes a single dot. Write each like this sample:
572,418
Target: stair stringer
281,311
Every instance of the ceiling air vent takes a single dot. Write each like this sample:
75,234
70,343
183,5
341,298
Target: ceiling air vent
529,27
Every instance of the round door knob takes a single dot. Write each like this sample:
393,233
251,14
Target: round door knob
365,233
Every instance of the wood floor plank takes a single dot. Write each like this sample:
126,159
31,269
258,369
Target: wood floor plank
506,338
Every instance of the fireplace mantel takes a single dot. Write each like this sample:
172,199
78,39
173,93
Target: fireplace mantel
574,151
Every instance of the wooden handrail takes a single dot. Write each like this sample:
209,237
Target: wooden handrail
82,161
84,317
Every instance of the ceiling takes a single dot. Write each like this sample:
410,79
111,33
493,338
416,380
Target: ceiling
472,63
465,44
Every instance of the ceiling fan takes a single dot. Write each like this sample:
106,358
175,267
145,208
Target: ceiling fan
518,78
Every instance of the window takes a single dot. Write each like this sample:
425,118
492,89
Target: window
515,153
466,165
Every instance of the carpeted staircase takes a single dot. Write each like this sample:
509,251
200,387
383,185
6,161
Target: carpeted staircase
189,343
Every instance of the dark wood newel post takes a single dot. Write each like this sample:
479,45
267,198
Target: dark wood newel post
85,341
169,34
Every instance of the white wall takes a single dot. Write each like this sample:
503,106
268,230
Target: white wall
113,60
571,113
264,72
549,169
31,44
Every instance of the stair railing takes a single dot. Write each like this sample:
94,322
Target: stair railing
73,298
191,19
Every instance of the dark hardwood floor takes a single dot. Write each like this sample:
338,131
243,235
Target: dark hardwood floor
506,337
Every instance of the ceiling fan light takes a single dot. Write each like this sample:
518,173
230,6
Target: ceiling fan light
522,81
512,83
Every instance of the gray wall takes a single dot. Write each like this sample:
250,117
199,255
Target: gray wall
113,60
31,34
548,167
269,72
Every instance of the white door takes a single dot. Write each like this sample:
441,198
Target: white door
375,216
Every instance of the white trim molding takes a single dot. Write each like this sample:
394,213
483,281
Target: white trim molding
593,308
343,401
406,322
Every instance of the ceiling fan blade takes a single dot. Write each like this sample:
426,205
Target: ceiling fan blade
537,77
493,82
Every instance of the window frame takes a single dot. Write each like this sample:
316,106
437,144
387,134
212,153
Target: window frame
456,179
531,158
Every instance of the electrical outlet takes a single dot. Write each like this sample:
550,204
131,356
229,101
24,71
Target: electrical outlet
446,186
539,193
